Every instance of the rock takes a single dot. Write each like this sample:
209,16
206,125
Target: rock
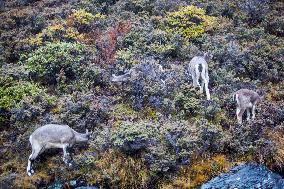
7,181
249,175
56,185
87,187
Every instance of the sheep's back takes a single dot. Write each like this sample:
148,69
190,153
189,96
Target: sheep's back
53,133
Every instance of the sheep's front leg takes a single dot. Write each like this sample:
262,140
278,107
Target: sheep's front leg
207,90
30,171
253,112
66,155
240,112
202,86
197,76
248,114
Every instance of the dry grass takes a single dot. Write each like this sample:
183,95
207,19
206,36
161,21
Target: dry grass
119,170
199,172
277,162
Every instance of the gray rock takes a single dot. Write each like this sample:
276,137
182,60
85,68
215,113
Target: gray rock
56,185
246,176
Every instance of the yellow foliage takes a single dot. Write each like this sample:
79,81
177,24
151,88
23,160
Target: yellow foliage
37,40
67,29
199,172
189,22
71,33
83,17
276,92
278,159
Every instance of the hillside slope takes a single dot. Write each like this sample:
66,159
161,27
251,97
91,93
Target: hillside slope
57,61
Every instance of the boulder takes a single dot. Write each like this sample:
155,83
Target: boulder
249,175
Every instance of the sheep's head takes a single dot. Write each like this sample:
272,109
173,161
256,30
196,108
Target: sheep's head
119,78
208,56
88,134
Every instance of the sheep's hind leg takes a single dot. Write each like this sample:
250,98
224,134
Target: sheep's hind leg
253,112
32,157
240,113
66,155
248,114
195,84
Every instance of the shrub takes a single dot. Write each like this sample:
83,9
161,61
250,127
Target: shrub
188,140
189,22
47,63
17,96
255,10
13,93
83,17
125,58
276,26
131,137
187,102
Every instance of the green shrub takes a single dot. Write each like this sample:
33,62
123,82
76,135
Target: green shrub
13,93
55,60
130,137
189,22
187,102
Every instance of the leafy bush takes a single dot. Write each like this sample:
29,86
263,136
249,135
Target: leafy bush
13,93
47,63
255,10
131,137
189,22
82,17
187,102
189,140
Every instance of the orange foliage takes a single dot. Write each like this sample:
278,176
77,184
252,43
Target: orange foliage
107,42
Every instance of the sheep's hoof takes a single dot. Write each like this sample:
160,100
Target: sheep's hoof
30,172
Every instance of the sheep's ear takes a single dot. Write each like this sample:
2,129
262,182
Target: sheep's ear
262,97
88,133
208,56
